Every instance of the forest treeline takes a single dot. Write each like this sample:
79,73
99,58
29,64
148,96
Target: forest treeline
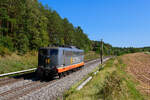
109,50
26,25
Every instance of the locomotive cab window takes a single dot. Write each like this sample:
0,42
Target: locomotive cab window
53,52
43,52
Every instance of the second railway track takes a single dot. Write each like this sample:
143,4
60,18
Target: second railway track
23,90
10,80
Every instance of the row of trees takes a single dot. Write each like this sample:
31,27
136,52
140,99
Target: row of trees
121,51
27,25
109,50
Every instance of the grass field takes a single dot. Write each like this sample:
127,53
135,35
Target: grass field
147,52
14,62
139,67
91,55
113,82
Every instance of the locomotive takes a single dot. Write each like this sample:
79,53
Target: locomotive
54,61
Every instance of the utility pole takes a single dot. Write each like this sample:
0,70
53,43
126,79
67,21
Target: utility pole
101,51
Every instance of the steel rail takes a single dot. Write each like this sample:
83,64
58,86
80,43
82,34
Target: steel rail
23,71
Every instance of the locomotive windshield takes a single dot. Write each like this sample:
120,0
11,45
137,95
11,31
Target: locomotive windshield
43,52
47,57
48,52
53,51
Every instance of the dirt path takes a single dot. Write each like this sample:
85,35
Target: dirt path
138,65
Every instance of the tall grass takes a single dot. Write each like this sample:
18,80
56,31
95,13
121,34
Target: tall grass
91,55
14,62
111,83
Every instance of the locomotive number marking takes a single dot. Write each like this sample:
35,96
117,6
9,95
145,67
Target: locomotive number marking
75,59
71,60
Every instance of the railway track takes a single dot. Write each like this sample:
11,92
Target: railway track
24,89
10,80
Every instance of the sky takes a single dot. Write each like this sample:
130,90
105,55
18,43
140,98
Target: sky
121,23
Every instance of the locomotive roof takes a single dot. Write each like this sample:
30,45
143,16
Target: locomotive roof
65,48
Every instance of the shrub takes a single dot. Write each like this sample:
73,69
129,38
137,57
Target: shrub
4,51
111,86
33,52
21,43
6,42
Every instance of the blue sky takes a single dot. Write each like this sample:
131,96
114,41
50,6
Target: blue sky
121,23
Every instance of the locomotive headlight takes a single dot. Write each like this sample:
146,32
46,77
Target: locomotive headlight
47,61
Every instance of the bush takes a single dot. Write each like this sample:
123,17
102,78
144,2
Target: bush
33,52
111,86
21,43
6,42
4,51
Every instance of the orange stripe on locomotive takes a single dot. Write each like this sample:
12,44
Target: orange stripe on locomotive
67,68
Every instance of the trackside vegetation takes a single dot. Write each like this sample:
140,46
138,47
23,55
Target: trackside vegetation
111,83
14,62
